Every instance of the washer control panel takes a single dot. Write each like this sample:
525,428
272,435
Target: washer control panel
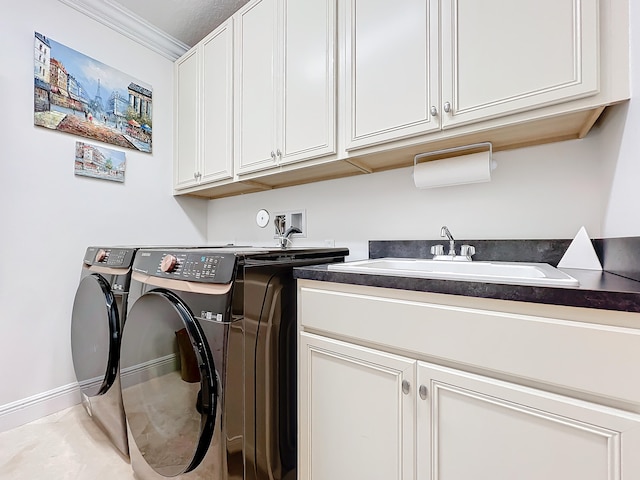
205,266
109,256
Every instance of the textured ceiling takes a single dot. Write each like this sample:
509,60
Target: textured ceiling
186,20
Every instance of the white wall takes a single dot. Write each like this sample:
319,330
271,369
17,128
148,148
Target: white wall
543,192
546,191
622,146
48,216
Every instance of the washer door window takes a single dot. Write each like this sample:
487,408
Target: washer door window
170,410
95,335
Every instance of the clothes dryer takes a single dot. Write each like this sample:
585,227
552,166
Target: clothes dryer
99,311
236,417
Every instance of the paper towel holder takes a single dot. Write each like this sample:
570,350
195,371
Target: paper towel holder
445,151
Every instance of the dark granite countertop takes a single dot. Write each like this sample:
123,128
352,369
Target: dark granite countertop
598,289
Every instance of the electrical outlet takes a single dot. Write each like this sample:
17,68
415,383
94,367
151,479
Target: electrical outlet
291,218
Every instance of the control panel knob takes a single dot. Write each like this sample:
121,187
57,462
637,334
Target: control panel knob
101,255
168,263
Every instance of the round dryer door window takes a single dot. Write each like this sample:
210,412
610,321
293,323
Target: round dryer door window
169,387
95,335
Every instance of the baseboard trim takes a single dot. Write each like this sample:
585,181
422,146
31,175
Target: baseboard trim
37,406
46,403
148,370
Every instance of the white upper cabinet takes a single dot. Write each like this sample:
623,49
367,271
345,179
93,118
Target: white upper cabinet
506,56
187,112
308,80
261,102
255,120
204,111
285,82
217,104
391,56
414,69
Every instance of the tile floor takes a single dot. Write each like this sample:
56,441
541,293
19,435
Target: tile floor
64,446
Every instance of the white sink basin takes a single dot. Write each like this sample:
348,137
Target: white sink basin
516,273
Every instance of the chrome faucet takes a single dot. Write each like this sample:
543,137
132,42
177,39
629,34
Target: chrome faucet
466,251
285,239
444,232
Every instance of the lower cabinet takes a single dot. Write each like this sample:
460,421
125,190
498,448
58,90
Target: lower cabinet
356,421
475,427
368,414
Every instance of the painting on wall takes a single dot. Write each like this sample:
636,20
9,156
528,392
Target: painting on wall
99,162
76,94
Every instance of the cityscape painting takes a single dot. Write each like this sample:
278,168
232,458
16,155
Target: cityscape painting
99,162
76,94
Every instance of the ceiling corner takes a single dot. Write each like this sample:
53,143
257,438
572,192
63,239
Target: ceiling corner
127,23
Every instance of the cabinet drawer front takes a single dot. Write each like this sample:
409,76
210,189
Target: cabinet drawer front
587,357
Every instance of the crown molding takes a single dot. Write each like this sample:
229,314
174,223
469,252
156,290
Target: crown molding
127,23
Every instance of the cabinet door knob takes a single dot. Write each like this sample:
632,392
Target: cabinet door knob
446,107
273,155
423,392
406,387
434,111
279,153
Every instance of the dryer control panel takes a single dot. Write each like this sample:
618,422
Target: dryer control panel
206,266
109,256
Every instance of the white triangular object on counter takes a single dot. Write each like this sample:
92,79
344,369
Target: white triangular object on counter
580,253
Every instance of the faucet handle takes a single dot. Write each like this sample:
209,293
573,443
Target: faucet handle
437,249
467,250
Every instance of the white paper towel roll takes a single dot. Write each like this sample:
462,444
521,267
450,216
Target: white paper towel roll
471,168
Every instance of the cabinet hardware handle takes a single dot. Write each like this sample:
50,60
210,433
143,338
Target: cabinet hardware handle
446,107
423,392
279,154
434,111
273,155
406,387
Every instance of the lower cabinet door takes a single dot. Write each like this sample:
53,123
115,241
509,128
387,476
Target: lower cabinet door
356,408
474,427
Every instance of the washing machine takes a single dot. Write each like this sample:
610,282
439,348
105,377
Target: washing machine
209,351
99,311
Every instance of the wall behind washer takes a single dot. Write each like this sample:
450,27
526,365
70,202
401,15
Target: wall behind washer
548,191
48,216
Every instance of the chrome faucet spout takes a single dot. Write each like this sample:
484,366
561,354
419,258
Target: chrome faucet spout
444,232
285,239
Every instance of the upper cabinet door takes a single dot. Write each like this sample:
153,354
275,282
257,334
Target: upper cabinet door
391,70
187,136
217,104
255,92
308,83
506,56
